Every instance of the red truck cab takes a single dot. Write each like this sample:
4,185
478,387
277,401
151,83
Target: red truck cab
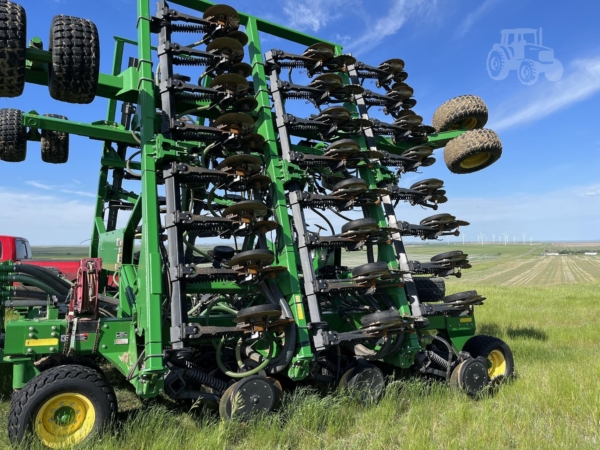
17,249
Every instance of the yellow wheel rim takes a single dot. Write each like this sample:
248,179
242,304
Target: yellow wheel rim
65,420
475,160
467,124
497,364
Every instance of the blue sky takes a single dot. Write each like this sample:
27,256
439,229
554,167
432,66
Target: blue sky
546,184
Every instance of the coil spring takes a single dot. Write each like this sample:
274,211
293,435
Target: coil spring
195,374
195,136
180,61
304,128
291,64
192,97
186,28
298,95
328,365
437,359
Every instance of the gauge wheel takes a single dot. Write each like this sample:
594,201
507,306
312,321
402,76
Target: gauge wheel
498,354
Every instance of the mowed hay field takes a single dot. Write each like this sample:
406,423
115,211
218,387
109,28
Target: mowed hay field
547,308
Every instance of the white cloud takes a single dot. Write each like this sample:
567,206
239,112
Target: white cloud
582,80
470,20
390,23
49,187
45,219
315,14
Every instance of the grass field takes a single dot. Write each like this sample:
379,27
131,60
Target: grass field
545,307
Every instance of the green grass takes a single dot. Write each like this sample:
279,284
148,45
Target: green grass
553,402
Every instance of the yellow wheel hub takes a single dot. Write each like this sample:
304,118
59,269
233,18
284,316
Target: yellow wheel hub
475,160
65,420
497,364
467,124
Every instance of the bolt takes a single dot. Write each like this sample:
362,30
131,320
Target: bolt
105,326
29,350
54,327
53,334
50,420
103,345
51,349
30,334
31,328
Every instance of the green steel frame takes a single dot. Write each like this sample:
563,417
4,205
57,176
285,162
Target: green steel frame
139,335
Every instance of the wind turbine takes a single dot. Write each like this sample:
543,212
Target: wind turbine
523,237
514,240
493,238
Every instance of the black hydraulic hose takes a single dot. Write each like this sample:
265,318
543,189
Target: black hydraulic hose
24,303
50,273
44,276
26,294
282,360
193,373
29,280
107,299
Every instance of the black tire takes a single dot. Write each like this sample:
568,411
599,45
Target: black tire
359,224
88,387
375,268
13,136
61,360
472,151
430,289
460,296
448,255
484,346
381,317
75,68
351,183
55,144
13,42
258,312
437,219
463,112
470,376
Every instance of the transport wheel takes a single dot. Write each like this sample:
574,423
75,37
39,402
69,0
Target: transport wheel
466,112
500,361
380,318
430,289
470,376
248,397
61,360
365,381
63,406
13,136
13,41
371,270
74,71
362,225
55,144
472,151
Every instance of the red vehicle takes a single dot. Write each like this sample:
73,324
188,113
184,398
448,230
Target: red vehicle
18,249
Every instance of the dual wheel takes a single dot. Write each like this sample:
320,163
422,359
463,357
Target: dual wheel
74,44
475,149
